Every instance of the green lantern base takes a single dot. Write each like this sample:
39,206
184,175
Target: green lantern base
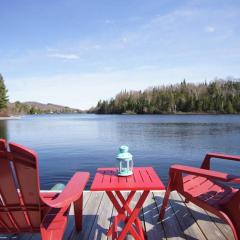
125,173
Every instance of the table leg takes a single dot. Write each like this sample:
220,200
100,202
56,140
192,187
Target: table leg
128,209
133,215
121,210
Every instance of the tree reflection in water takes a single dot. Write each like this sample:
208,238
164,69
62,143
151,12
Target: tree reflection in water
3,129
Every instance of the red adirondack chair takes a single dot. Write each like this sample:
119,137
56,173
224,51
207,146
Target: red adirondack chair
208,190
23,208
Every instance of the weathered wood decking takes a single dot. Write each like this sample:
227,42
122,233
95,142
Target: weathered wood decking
182,220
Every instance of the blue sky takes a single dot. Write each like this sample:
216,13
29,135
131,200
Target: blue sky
74,52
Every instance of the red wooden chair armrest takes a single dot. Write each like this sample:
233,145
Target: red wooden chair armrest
206,161
204,173
71,192
224,156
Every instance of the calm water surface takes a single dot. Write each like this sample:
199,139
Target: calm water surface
81,142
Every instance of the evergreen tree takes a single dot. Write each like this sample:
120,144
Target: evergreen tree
3,94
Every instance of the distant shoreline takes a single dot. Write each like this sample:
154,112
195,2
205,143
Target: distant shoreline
177,113
11,118
123,114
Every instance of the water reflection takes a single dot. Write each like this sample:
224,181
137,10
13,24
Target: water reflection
3,129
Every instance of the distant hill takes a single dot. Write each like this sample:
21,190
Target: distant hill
51,107
21,108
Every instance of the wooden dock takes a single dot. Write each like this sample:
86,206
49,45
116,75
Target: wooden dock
182,220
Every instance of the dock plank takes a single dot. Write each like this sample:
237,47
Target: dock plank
206,224
223,227
185,219
102,222
36,237
71,220
154,229
170,223
26,236
90,212
8,236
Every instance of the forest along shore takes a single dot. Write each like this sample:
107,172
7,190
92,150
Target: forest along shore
219,96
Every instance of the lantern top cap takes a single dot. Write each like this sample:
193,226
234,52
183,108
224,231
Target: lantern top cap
123,149
123,153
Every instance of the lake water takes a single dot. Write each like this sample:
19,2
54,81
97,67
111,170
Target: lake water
83,142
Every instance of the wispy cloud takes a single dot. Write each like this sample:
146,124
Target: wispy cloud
109,21
210,29
64,56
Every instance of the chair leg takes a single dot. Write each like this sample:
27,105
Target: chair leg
165,203
78,211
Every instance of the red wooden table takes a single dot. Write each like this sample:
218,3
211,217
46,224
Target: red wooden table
143,179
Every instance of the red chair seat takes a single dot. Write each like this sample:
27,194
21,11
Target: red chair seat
209,191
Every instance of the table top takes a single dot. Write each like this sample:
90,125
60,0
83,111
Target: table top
143,178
